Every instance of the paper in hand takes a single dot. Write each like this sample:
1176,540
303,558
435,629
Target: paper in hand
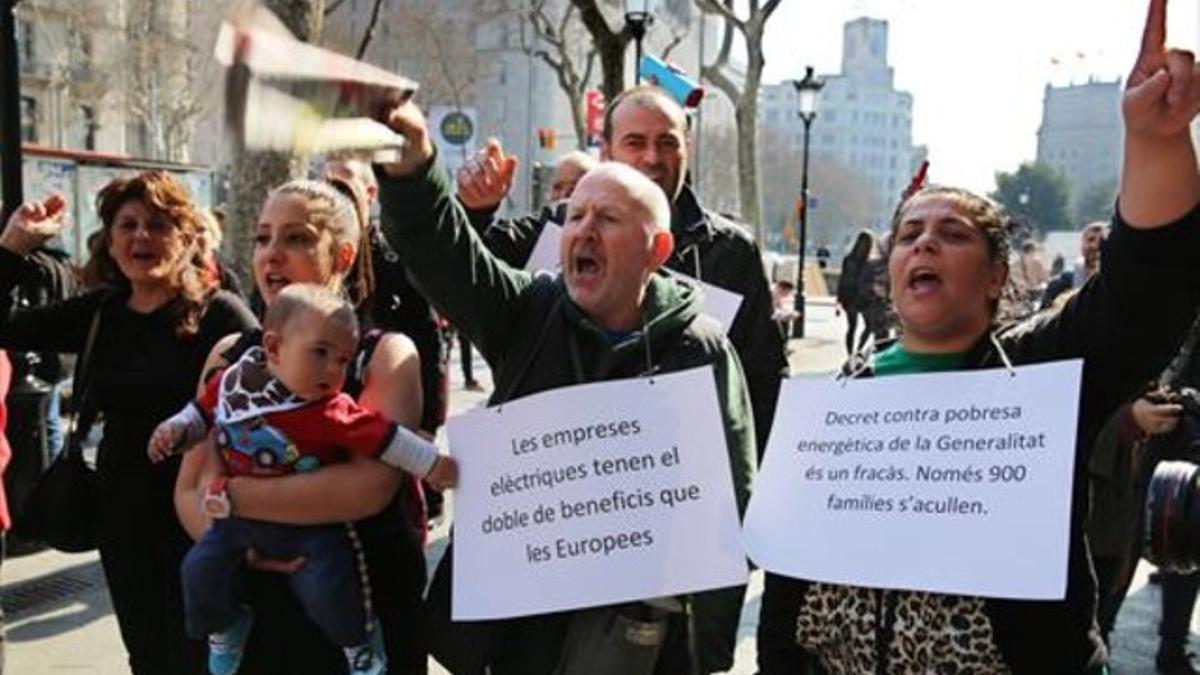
286,95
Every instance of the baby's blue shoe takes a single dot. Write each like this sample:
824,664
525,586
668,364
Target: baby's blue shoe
369,658
225,648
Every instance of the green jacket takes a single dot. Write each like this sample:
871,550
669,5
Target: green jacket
535,338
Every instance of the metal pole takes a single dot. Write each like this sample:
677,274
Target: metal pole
637,62
798,330
10,112
698,128
529,125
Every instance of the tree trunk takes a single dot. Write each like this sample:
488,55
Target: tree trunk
749,182
743,97
746,113
579,120
254,173
612,65
610,45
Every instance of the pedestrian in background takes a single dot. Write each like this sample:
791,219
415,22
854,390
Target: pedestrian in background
848,291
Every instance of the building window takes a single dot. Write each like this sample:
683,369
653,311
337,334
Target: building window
25,40
28,119
80,48
831,116
87,127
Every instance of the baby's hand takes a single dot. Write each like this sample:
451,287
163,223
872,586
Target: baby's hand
444,473
164,442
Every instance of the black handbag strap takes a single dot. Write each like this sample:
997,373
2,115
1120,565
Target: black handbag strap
82,383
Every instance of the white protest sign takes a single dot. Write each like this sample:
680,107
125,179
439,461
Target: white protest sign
951,483
719,303
545,251
592,495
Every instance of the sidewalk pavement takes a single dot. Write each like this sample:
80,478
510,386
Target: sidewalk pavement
60,619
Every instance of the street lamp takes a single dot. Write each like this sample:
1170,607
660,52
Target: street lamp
806,91
639,14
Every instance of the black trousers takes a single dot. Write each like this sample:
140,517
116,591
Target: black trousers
466,358
852,330
1178,601
141,548
1109,595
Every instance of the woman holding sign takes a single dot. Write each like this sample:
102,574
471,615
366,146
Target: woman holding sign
948,267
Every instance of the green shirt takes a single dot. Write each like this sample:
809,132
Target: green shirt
896,360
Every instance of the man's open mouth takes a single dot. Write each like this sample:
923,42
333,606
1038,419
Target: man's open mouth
586,264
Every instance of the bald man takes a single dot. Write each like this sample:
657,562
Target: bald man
618,317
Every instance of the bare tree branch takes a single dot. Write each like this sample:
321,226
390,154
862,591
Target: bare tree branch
333,6
743,95
593,18
676,40
726,11
715,71
610,46
370,31
568,50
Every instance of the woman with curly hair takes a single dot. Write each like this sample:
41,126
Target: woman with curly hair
156,316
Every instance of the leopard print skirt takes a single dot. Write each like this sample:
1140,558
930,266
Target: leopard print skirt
930,633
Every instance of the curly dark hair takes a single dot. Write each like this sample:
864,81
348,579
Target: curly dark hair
162,193
983,212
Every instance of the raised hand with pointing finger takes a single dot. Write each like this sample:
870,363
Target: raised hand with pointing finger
1159,180
1162,95
485,180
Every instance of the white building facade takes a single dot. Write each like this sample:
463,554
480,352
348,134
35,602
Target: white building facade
1081,135
863,122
